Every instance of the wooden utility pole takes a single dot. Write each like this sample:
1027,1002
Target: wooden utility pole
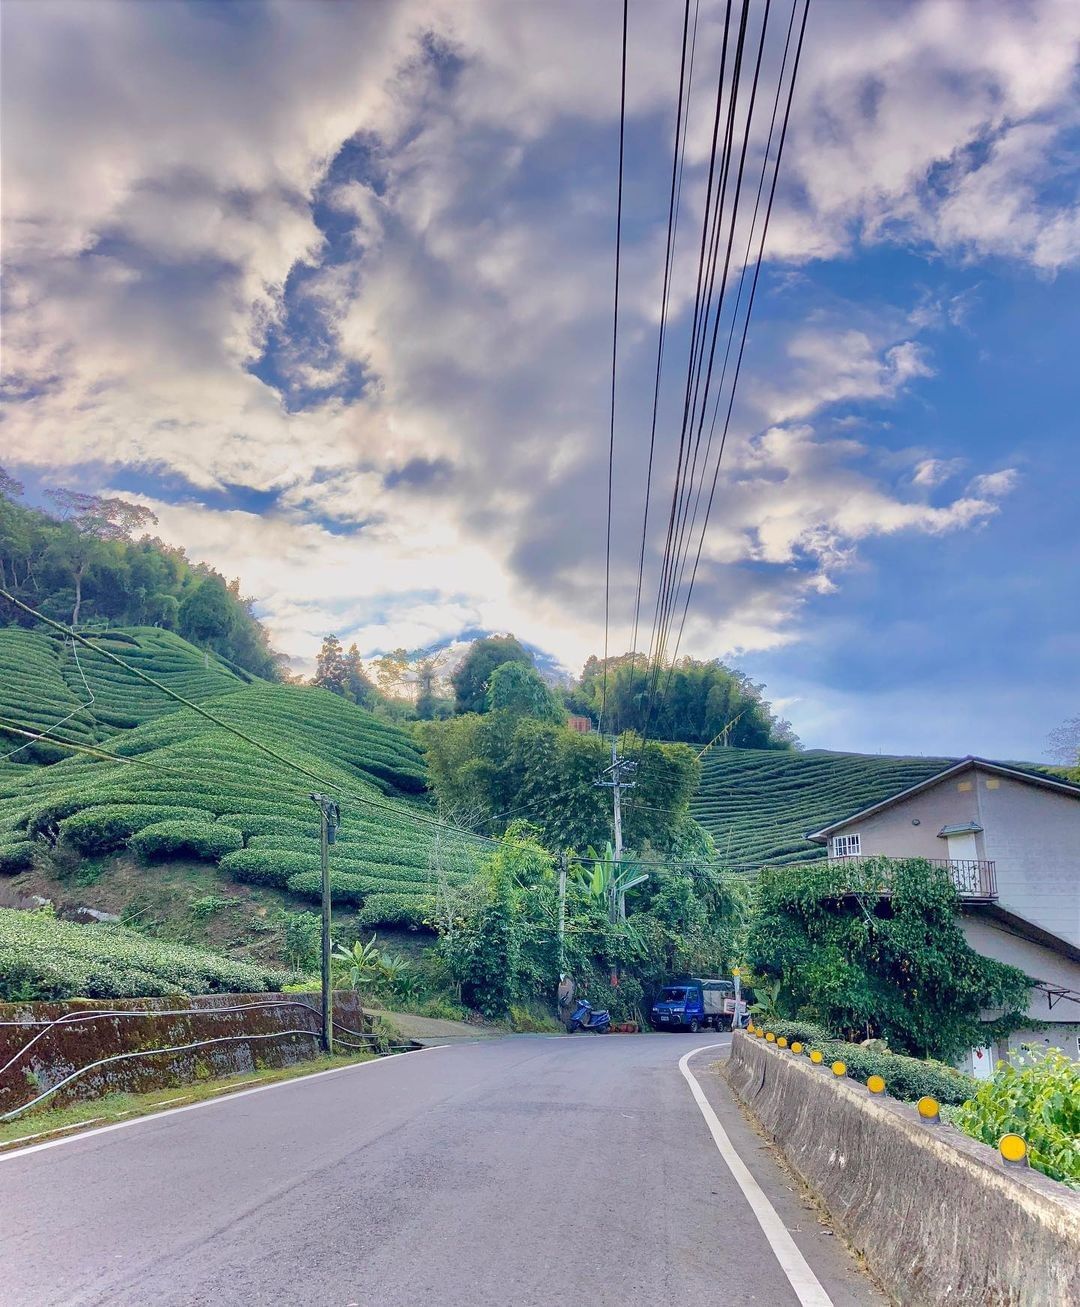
562,915
330,819
619,769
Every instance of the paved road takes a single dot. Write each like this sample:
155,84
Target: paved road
514,1172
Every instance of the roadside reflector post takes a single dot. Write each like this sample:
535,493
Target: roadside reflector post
1013,1151
876,1084
781,1042
839,1069
796,1047
770,1038
929,1110
816,1056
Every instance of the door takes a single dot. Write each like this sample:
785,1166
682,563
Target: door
982,1063
962,847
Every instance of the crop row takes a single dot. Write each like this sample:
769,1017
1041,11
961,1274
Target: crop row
50,959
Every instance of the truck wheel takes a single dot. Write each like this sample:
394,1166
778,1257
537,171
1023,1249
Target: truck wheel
694,1026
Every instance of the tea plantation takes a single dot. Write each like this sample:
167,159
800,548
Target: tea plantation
758,804
187,788
76,694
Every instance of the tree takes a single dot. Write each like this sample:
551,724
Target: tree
390,671
470,679
206,613
359,687
519,689
865,963
331,666
1064,742
92,521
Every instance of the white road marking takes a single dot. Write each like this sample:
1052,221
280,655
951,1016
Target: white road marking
807,1287
210,1102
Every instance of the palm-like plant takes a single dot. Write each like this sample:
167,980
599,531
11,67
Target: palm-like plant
608,882
360,964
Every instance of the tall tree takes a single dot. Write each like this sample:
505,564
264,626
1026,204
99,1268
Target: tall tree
470,679
519,689
205,612
359,687
331,666
93,521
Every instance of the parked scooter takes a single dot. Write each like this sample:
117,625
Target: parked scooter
584,1017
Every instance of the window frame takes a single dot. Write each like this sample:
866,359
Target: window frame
847,846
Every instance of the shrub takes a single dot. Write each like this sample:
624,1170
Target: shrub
105,829
193,839
268,866
396,910
50,959
1036,1096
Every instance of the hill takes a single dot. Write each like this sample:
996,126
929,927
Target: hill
758,804
65,690
177,786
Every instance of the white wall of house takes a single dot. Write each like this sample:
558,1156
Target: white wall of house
997,939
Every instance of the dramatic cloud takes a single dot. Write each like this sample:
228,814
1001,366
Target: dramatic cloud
359,258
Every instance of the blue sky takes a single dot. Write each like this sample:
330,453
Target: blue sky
329,286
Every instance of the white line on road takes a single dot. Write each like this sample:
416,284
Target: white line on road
211,1102
807,1287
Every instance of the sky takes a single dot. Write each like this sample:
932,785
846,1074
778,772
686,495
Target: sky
329,286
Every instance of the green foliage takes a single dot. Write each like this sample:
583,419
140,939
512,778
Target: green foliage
331,668
1035,1095
867,962
85,565
43,958
108,827
358,965
758,804
206,905
470,679
301,939
518,689
689,700
186,839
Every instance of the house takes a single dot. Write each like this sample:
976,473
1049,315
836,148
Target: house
577,722
1010,839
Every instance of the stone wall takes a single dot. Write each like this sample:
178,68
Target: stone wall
251,1038
937,1216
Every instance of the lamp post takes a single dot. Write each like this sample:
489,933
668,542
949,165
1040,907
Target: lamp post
330,816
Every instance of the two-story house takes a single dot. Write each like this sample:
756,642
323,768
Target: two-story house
1010,839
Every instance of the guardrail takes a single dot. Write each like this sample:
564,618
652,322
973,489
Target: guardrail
974,878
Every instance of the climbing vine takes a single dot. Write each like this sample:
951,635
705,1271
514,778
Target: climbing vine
873,947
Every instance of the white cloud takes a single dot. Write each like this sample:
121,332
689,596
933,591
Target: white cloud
995,484
161,169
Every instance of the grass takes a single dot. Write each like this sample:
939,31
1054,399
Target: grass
33,1127
758,804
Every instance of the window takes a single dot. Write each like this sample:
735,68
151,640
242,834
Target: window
845,846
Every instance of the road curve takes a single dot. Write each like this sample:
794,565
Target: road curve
523,1171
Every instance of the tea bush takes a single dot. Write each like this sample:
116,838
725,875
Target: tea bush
105,829
1036,1095
186,839
43,958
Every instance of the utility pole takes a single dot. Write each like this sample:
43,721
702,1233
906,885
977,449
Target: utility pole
330,816
562,915
618,771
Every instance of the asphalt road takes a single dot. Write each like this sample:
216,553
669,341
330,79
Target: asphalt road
521,1171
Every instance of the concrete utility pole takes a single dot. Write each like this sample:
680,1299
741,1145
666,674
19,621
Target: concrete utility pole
620,769
562,914
330,820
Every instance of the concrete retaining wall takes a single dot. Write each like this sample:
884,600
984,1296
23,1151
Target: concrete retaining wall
937,1216
66,1048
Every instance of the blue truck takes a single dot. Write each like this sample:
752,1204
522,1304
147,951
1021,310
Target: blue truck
691,1003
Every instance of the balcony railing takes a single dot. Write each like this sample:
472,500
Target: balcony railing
974,878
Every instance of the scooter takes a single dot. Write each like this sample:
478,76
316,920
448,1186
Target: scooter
585,1018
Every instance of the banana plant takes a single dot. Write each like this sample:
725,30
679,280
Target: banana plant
608,882
360,964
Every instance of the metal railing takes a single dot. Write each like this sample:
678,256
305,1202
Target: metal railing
974,878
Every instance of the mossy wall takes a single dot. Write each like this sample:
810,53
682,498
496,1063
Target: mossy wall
169,1022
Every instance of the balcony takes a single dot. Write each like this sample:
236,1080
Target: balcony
975,878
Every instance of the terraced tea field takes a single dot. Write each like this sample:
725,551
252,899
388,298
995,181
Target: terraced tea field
76,694
759,804
183,787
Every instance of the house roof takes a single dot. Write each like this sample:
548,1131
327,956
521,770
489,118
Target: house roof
1008,770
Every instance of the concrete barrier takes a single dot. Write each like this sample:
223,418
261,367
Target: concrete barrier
169,1022
937,1216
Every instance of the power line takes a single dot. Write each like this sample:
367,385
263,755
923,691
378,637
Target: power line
88,704
614,357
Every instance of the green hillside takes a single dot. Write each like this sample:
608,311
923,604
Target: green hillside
49,684
191,789
759,804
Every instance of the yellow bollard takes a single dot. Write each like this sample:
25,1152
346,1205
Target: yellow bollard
770,1038
796,1047
929,1110
839,1068
876,1085
781,1042
816,1056
1013,1150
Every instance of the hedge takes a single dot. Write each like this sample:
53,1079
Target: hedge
104,829
192,839
396,910
268,866
43,958
907,1078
